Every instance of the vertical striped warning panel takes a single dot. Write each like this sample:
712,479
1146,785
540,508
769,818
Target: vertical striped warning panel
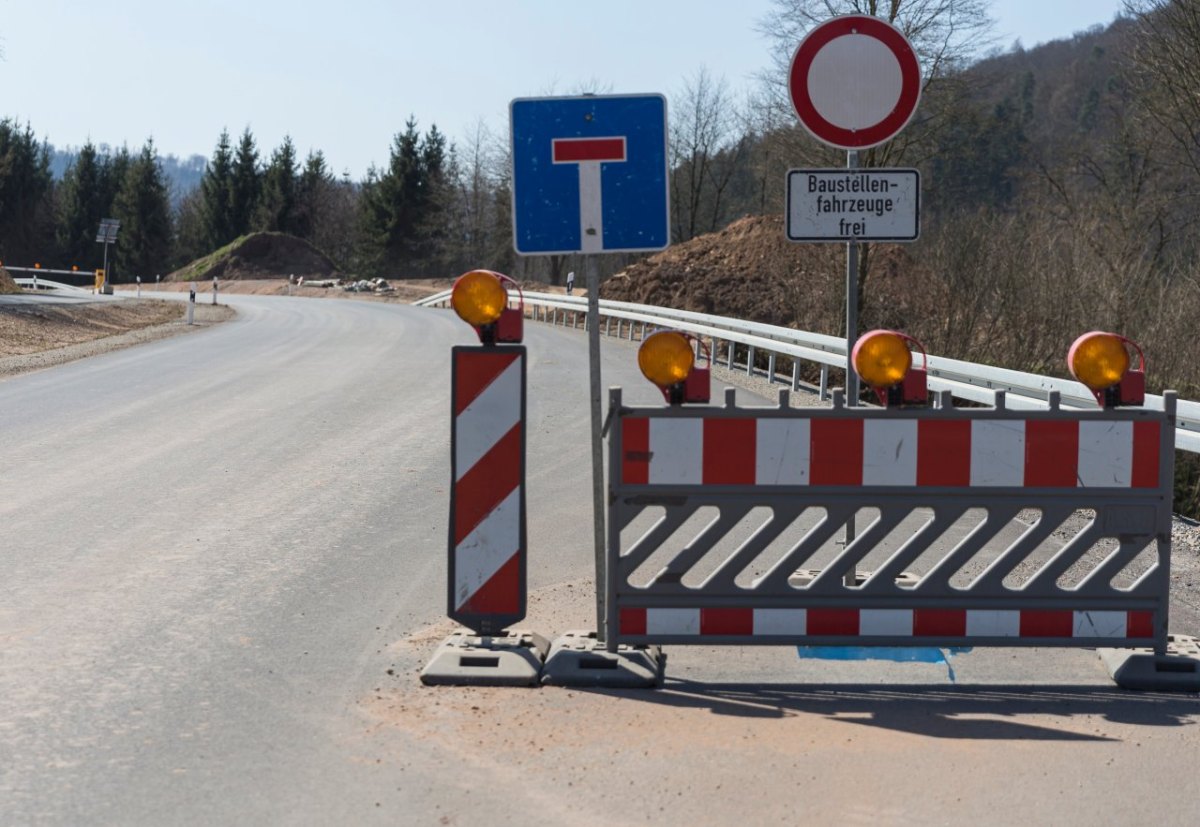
487,500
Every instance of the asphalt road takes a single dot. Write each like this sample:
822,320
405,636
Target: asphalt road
224,561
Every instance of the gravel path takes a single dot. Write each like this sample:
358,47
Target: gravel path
56,336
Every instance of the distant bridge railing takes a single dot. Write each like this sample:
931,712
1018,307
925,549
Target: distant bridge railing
735,344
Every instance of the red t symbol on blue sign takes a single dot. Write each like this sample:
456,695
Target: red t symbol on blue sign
589,153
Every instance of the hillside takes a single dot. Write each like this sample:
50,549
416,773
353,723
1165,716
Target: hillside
749,270
7,285
260,256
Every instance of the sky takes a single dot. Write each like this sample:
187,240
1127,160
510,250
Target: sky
344,77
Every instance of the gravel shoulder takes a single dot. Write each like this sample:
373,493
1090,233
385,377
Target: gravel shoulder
33,337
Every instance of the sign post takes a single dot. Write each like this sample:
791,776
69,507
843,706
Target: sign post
855,82
590,176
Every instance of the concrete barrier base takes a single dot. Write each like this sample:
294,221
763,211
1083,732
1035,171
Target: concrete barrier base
1176,671
513,658
578,659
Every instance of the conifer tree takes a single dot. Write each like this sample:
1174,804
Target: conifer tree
112,178
246,187
312,195
144,210
26,195
216,189
81,205
395,200
277,205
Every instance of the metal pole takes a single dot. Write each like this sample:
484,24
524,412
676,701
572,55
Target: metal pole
851,303
592,264
851,335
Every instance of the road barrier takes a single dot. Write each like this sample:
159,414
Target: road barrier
723,526
486,575
487,501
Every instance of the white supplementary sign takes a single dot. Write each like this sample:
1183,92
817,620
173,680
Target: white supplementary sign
853,205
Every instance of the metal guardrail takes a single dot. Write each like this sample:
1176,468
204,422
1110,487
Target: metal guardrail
43,284
965,380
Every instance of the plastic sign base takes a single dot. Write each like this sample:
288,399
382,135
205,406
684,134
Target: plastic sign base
578,659
512,658
1176,671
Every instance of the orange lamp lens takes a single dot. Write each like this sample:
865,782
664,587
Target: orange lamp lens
881,358
478,297
1098,360
666,358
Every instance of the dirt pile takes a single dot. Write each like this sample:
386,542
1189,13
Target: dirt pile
7,285
749,270
260,256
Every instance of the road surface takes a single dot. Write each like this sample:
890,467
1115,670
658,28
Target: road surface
224,563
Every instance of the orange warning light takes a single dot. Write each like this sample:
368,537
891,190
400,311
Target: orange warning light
884,361
1101,361
480,298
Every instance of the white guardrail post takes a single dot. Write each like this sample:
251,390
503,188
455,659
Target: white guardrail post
964,380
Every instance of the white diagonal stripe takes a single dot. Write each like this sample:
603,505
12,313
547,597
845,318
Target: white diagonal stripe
886,622
780,621
984,623
489,417
1100,624
998,452
782,449
672,621
1105,454
890,452
676,451
492,544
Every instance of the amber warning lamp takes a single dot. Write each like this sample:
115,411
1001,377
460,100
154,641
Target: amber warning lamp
667,359
1101,361
480,298
883,360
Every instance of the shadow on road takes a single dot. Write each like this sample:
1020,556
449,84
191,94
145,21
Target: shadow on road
983,713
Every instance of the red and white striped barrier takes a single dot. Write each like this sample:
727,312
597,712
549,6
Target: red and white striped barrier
890,452
943,624
487,502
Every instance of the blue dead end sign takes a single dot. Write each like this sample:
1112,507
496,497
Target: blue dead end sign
590,174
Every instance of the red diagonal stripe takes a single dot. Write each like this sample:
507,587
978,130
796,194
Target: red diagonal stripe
944,452
487,484
843,622
501,594
836,452
1139,624
1047,623
940,622
632,621
726,621
1145,455
474,370
1051,454
729,451
635,451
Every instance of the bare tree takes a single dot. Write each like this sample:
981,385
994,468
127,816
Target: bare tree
706,148
946,35
1165,60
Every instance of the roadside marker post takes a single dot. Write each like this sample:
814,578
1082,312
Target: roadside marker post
191,306
214,291
486,571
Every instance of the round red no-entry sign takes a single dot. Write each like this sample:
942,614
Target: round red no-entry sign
855,81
